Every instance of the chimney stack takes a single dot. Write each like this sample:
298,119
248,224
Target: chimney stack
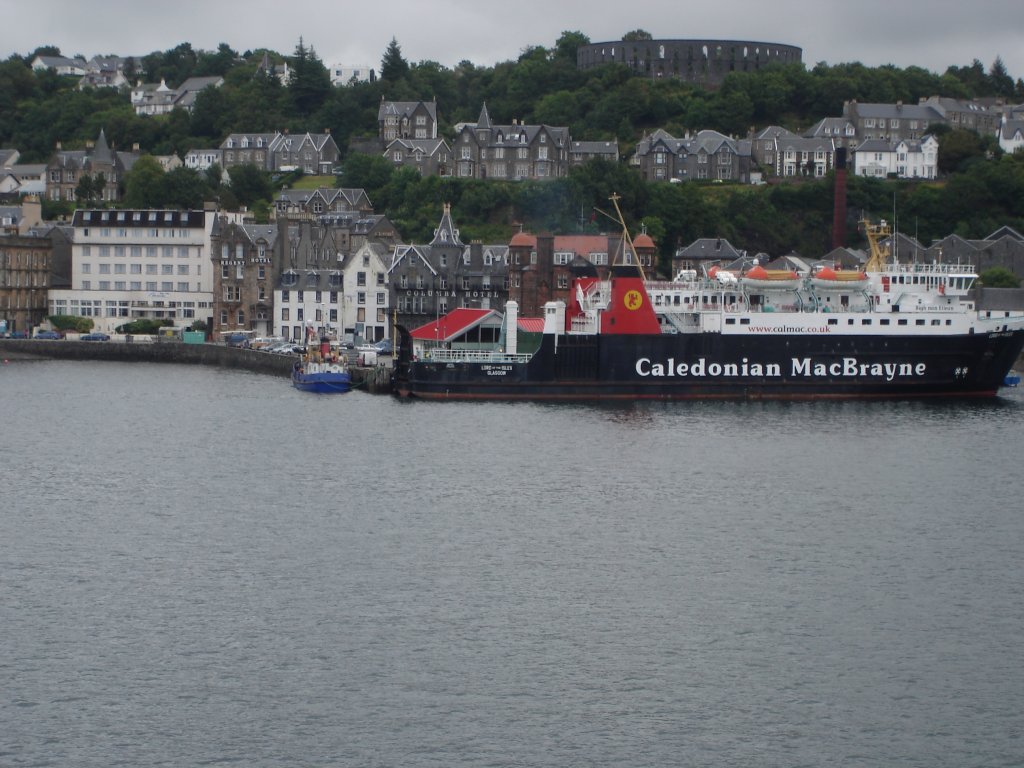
839,208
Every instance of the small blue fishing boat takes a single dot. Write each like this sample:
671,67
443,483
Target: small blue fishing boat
321,370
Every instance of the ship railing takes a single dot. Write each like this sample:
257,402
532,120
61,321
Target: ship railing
473,356
583,324
924,268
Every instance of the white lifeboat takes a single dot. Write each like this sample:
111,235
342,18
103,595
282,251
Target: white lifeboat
771,279
829,279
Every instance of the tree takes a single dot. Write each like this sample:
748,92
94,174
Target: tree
999,277
309,82
1001,82
218,63
393,67
956,148
86,190
185,188
143,184
568,44
250,184
72,323
637,35
369,172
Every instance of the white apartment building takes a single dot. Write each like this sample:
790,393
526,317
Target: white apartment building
132,264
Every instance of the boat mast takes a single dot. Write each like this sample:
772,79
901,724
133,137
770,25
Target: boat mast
626,239
879,254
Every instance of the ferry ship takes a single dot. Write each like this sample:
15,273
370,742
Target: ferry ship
890,330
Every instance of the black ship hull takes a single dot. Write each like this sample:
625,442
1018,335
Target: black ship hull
711,365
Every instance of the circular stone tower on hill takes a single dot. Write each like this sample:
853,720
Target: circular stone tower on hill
705,62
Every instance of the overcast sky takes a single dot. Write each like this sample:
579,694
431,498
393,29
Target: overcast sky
929,33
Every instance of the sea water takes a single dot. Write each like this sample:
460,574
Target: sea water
206,567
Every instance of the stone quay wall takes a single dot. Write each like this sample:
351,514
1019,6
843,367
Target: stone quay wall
372,379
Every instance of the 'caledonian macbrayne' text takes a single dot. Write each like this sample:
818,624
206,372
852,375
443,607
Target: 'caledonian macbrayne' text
806,367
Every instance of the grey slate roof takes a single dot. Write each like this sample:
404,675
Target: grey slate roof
405,108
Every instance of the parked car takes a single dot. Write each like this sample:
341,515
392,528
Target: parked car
47,335
94,336
384,347
285,348
238,340
366,347
18,335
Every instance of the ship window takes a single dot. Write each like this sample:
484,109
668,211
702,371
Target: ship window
884,321
919,321
936,322
865,321
833,321
730,321
949,322
850,321
744,321
901,321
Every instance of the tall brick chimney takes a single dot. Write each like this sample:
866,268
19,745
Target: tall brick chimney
839,209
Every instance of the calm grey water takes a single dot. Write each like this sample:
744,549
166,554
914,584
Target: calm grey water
203,567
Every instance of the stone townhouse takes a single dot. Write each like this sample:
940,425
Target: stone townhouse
244,276
891,121
66,168
965,114
581,152
762,144
31,264
517,151
331,282
431,279
138,263
406,120
160,99
708,155
286,278
801,156
314,154
840,130
430,157
322,200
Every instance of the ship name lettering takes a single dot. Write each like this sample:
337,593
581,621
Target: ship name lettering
850,366
702,368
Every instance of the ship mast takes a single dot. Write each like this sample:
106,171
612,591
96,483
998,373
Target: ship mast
626,239
879,254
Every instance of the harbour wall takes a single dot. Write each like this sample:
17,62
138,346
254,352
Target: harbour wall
376,379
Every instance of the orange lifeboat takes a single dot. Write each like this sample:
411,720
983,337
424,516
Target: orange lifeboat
830,279
771,279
